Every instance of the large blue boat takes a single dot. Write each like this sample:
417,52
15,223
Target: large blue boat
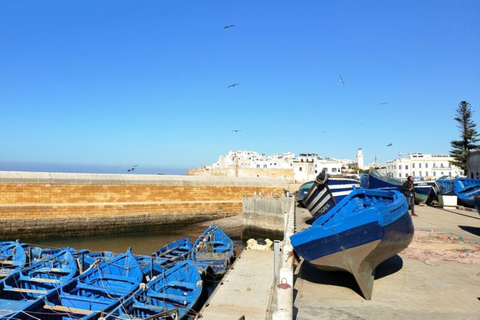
169,296
466,189
325,192
212,251
366,228
23,288
375,180
89,295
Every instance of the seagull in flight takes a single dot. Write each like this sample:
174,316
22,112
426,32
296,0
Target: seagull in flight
229,26
236,130
233,85
389,145
382,103
132,168
341,80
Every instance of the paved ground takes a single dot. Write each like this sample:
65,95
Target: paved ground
407,286
245,291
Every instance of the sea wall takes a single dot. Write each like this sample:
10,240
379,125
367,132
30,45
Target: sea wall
265,217
36,204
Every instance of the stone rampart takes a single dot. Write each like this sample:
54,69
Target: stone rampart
63,204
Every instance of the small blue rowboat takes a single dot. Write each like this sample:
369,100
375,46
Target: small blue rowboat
466,190
363,230
12,258
326,192
170,296
91,294
212,251
23,288
173,252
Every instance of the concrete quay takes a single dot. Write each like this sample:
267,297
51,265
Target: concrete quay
412,285
437,277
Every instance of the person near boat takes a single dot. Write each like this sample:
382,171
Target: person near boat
409,192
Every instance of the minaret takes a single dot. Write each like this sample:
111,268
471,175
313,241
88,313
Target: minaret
360,160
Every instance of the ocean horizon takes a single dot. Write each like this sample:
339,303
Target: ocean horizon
89,168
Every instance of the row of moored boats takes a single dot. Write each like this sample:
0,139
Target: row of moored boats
65,283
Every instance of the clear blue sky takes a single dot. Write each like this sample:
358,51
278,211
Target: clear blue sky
103,85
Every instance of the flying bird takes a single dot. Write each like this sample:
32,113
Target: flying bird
236,130
233,85
389,145
341,80
382,103
229,26
132,168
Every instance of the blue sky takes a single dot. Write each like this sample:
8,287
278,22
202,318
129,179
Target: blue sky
98,86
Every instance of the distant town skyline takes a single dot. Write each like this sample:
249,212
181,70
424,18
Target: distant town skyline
102,86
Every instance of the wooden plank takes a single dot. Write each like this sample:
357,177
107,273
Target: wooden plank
7,262
45,280
25,290
68,309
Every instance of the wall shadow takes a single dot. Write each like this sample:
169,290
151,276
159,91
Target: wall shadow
472,230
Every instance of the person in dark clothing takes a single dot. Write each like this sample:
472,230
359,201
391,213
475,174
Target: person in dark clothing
409,192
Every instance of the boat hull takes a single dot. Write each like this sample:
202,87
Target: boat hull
361,260
466,190
361,232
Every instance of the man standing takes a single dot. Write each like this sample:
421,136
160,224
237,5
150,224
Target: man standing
409,192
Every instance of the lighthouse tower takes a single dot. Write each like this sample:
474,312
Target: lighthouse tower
360,160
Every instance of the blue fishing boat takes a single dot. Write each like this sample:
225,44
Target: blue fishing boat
466,189
326,192
303,191
91,294
363,230
23,288
445,186
375,180
212,251
12,258
91,259
174,252
169,296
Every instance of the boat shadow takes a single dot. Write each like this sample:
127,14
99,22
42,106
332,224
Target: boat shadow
345,279
472,230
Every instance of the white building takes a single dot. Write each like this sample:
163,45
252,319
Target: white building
423,166
308,165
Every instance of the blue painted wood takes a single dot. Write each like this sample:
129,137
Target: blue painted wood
171,295
98,290
21,289
12,257
326,192
367,227
212,251
466,190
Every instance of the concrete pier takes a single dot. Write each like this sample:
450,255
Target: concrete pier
437,279
422,282
245,290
